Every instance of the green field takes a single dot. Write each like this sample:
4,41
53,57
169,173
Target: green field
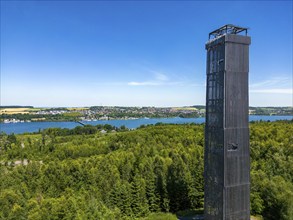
11,111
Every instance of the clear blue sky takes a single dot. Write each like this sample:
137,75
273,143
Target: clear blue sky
127,53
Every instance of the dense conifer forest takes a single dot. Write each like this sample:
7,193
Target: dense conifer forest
84,173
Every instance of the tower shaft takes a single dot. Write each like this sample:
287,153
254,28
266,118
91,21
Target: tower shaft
227,162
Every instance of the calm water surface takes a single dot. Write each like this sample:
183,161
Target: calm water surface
19,128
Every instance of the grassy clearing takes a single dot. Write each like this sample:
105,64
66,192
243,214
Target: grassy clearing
161,216
185,108
72,114
36,109
256,218
78,109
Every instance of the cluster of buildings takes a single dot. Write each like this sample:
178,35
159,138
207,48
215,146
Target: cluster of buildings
51,112
138,112
13,120
103,113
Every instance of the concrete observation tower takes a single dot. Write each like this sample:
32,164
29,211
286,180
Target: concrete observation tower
226,161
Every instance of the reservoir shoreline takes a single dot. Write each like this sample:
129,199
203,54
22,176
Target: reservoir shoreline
28,127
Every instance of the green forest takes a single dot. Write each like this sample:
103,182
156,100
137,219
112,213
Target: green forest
153,172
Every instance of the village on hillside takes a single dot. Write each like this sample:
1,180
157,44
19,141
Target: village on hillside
15,114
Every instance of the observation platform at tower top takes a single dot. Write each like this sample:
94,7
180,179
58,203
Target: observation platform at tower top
227,29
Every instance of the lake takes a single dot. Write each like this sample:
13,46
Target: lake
19,128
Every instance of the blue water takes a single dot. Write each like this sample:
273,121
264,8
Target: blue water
19,128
